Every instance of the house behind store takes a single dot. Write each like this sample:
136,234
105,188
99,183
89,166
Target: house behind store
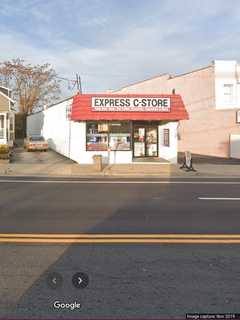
212,99
7,116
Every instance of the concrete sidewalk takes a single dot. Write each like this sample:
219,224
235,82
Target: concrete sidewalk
132,170
52,164
202,170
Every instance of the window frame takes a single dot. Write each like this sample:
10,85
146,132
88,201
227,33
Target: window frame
228,96
238,116
109,133
166,137
11,132
92,134
3,129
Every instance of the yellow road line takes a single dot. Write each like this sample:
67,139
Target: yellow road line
119,241
120,236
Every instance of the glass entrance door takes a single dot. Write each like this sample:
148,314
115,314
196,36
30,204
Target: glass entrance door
139,141
151,142
145,141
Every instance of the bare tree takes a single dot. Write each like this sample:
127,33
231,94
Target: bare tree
33,85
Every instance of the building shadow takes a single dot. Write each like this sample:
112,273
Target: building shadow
110,269
204,159
133,280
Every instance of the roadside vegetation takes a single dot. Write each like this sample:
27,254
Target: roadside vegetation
33,86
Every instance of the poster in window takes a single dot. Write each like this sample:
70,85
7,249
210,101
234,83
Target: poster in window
97,142
152,150
141,134
102,127
139,149
120,142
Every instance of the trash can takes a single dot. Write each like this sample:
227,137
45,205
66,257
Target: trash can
97,162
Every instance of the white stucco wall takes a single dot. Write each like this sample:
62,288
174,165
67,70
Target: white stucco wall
68,137
78,148
168,153
53,125
56,128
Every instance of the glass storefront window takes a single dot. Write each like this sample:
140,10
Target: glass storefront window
120,135
119,127
97,136
101,135
118,141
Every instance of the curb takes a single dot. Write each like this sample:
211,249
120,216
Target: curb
92,176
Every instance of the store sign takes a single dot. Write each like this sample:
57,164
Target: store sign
153,104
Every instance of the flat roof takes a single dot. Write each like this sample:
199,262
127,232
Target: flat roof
171,76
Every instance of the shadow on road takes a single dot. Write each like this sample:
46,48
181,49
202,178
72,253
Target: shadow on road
135,281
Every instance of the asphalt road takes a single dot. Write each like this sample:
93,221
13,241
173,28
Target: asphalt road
118,207
164,280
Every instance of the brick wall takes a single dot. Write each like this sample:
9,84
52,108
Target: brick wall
208,130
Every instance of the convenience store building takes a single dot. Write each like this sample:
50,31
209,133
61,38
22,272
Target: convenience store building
122,128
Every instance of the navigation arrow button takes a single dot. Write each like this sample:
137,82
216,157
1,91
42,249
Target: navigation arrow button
80,280
54,280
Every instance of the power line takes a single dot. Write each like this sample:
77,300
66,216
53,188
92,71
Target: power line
65,79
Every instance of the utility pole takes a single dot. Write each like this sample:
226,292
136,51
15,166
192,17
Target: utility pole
79,83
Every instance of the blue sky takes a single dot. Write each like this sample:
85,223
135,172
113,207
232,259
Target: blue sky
111,43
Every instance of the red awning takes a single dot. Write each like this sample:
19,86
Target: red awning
82,108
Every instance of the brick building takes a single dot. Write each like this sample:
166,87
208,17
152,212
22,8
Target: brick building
212,98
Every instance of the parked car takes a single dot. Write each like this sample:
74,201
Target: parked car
35,143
